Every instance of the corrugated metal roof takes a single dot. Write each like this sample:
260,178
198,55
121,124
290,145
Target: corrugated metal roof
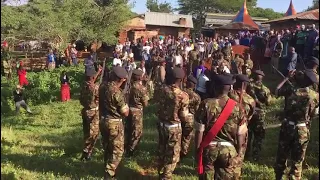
166,19
308,15
230,16
222,21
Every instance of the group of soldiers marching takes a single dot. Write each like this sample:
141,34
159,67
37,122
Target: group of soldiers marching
227,125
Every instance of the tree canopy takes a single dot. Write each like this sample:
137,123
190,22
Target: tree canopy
155,6
66,20
315,5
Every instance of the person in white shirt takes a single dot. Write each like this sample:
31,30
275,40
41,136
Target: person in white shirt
201,87
147,48
117,61
177,60
119,47
201,49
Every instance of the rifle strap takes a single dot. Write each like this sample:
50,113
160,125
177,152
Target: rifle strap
227,110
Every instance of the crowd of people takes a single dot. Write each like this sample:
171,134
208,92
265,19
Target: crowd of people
202,90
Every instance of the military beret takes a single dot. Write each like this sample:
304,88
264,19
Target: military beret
222,79
192,79
242,78
178,73
311,75
120,72
137,72
259,72
90,72
314,60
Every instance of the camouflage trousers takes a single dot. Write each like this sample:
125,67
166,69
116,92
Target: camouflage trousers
169,150
133,131
256,134
294,140
112,132
239,166
220,162
187,129
90,123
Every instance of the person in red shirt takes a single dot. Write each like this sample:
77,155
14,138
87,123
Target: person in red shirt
65,88
22,75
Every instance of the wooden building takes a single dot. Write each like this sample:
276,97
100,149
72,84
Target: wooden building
155,24
306,18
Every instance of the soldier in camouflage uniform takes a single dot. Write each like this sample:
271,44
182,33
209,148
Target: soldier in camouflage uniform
239,62
222,156
248,66
112,108
159,75
173,109
138,99
194,59
261,95
295,129
89,99
247,105
313,64
187,126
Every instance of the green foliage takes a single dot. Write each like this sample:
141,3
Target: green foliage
264,13
315,5
155,6
68,20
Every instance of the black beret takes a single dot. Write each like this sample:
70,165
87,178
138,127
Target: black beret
311,75
259,72
178,73
137,72
314,60
242,78
222,79
192,79
90,72
120,72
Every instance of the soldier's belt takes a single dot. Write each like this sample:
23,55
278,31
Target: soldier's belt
112,120
297,125
220,143
170,125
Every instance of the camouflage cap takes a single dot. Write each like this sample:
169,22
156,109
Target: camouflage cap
178,73
137,72
192,79
242,78
311,75
222,79
314,60
259,72
120,72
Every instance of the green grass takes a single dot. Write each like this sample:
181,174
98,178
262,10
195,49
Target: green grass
48,145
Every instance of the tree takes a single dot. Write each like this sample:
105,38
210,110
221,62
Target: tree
315,5
155,6
264,13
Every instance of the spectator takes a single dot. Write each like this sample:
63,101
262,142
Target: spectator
22,74
199,70
117,61
201,87
89,63
291,61
74,53
276,54
245,41
301,41
18,98
51,60
65,88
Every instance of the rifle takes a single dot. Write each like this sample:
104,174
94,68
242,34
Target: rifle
103,69
127,86
290,83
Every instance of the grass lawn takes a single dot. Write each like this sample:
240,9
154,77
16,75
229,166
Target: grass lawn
48,145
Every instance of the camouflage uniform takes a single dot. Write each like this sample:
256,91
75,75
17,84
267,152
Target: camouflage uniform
134,124
248,105
187,126
220,161
294,133
239,63
247,68
173,108
256,127
112,104
193,60
89,98
315,86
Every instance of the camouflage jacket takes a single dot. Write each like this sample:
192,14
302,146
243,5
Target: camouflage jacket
138,95
239,63
208,112
315,87
248,64
173,104
194,101
301,103
112,101
89,96
259,92
193,55
248,103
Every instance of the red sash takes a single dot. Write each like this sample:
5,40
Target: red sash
214,131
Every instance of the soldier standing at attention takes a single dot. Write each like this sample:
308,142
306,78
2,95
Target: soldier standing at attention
248,65
89,99
295,129
239,62
247,105
220,125
113,108
261,95
193,59
187,126
173,109
138,99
